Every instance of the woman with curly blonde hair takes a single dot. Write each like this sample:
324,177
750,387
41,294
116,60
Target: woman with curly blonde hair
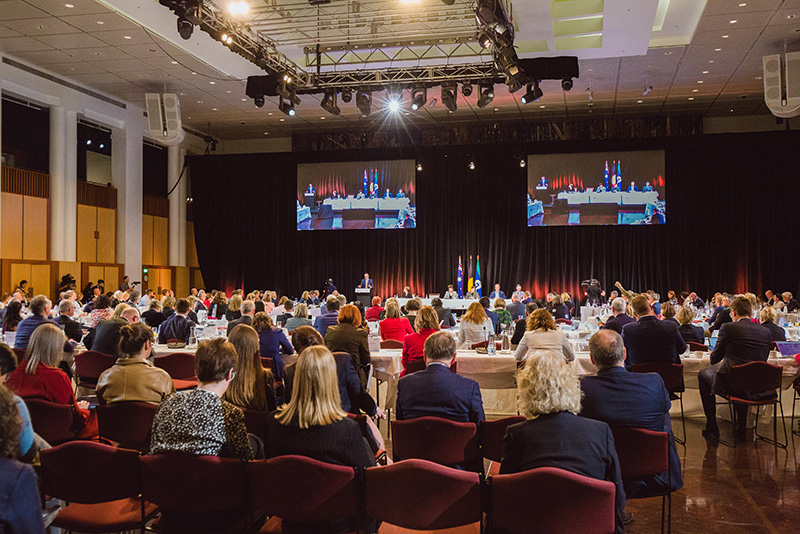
543,334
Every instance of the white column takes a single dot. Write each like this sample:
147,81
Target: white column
177,207
58,120
70,228
184,193
1,144
126,176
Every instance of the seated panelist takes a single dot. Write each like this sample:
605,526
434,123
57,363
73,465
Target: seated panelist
647,187
400,194
360,195
632,188
388,194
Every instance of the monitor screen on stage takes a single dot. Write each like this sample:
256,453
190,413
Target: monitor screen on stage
596,188
356,195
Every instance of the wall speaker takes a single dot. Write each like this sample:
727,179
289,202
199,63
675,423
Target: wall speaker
164,118
782,84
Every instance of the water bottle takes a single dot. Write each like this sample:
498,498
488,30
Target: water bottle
490,348
192,337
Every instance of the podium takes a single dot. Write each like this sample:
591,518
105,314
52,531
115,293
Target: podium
364,296
309,200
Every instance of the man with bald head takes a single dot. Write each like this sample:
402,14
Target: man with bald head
106,334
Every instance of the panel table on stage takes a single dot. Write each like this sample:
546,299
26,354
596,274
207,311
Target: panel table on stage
377,204
453,304
609,197
535,208
303,213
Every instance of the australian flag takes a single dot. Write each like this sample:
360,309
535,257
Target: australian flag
366,193
460,279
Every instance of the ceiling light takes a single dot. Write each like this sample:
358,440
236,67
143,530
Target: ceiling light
734,21
522,163
419,96
419,166
100,22
88,141
244,100
282,120
466,89
725,36
705,72
287,107
717,50
322,118
699,81
347,96
185,28
69,6
393,105
449,90
566,84
174,62
102,145
541,107
647,89
213,83
742,4
667,53
486,94
364,102
226,39
485,39
127,37
639,101
471,165
691,98
238,8
329,103
695,90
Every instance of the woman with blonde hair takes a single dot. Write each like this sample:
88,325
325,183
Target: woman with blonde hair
549,397
687,330
543,334
121,307
234,308
168,306
300,318
253,388
475,326
394,326
426,324
313,424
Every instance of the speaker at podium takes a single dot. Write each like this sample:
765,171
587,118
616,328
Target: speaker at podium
364,296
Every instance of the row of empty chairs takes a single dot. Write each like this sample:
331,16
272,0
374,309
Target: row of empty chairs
413,494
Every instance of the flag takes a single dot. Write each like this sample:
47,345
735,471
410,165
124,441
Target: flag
478,276
619,172
460,279
606,175
366,193
471,280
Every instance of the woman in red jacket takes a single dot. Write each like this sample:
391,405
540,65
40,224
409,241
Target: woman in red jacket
38,376
427,323
394,326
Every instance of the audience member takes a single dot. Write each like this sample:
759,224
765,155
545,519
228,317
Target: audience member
549,397
373,313
485,302
768,317
503,314
12,316
412,307
28,441
348,336
740,341
687,330
40,308
72,328
475,327
329,317
234,308
254,387
272,342
288,312
427,323
668,313
105,338
651,340
299,319
437,391
168,304
248,310
516,308
133,377
724,315
153,316
719,308
560,308
178,326
543,334
445,315
791,304
219,306
101,310
521,325
394,326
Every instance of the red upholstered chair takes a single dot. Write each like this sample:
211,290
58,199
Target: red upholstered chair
480,345
393,496
672,375
380,454
301,490
437,440
107,502
697,347
391,344
554,500
795,398
266,363
642,453
414,366
196,493
491,434
53,422
256,422
127,423
180,366
758,378
89,365
20,354
563,321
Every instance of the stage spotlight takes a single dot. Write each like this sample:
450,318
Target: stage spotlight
471,165
88,141
647,89
486,95
522,163
347,96
364,102
566,84
226,39
259,101
485,39
466,89
419,95
238,8
286,107
419,166
533,93
449,95
329,103
502,36
393,105
185,28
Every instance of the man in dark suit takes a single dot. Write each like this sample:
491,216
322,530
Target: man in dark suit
288,312
622,398
620,318
723,316
40,307
72,328
741,341
485,302
521,325
178,326
791,303
328,318
445,314
248,310
516,308
651,340
105,337
366,282
437,391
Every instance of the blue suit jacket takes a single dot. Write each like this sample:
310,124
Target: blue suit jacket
176,327
618,322
496,295
439,392
325,320
651,340
19,498
369,284
621,398
26,327
495,320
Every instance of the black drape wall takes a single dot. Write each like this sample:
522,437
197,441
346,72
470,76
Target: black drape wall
732,222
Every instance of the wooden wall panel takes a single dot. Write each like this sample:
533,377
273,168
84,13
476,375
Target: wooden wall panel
87,244
191,246
160,241
181,288
96,272
41,281
19,271
147,239
197,279
112,277
11,228
35,228
107,242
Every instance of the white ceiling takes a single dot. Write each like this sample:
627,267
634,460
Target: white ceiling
101,49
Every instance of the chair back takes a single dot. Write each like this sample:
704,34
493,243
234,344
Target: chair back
113,472
391,344
53,422
555,500
256,422
189,484
20,354
491,435
89,365
435,439
393,495
266,363
480,345
127,423
179,365
561,320
755,377
671,374
697,347
641,452
362,424
414,366
303,490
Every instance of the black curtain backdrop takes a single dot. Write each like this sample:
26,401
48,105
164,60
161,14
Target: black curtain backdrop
732,222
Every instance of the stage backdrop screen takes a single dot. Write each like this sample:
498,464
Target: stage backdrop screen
597,188
356,195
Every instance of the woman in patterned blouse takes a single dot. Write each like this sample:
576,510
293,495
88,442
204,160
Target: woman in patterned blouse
198,421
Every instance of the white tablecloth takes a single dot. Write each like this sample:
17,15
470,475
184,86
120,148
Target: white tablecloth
608,197
303,213
453,304
535,208
379,204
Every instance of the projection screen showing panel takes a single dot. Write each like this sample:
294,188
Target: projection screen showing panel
596,188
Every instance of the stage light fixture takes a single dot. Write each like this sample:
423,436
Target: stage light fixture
533,93
364,102
419,166
522,163
347,96
485,39
329,103
647,89
486,95
394,98
566,84
238,8
185,28
449,90
286,107
466,88
419,96
471,165
226,39
259,101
